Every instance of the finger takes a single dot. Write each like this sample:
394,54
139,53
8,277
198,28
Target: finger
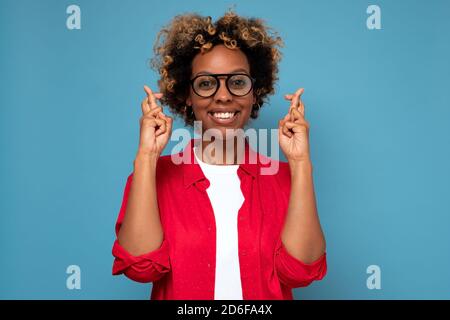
296,97
169,122
158,96
295,114
287,117
297,126
292,126
294,103
162,127
301,108
153,123
281,126
284,129
151,97
288,96
144,106
163,116
160,114
155,112
146,122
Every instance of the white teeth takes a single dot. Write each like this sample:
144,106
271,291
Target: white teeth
223,115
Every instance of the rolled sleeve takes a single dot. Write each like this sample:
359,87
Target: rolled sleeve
147,267
294,273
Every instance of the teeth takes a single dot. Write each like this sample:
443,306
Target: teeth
223,115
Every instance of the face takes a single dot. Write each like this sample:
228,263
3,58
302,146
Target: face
215,111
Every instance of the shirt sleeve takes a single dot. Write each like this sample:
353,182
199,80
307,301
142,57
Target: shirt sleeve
294,273
147,267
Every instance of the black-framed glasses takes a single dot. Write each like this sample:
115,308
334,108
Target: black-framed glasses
238,84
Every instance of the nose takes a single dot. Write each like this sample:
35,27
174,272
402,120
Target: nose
222,94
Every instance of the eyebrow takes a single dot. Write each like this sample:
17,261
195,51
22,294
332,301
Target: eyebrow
234,71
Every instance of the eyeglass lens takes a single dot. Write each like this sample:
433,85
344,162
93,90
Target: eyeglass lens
238,85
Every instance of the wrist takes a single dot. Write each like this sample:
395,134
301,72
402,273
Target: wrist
144,158
300,165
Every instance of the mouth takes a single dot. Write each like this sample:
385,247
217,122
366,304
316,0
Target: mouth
224,117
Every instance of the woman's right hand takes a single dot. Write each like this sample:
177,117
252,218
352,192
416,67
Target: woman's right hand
156,127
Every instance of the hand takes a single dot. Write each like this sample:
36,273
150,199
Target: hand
293,130
156,127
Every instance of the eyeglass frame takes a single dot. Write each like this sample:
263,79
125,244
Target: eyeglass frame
216,76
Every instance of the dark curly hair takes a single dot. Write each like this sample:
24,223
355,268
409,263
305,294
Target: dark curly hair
188,34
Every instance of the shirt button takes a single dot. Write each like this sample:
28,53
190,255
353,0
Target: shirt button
244,252
209,265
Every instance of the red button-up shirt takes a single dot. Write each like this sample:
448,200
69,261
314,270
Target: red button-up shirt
184,265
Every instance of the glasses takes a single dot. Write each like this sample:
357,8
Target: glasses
238,84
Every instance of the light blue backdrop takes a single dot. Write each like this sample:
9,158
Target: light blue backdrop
378,102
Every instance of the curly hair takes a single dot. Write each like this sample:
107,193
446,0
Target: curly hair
188,34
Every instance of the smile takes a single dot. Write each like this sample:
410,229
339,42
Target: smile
223,117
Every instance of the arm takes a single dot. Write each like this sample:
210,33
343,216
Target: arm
300,256
141,229
302,234
141,252
145,266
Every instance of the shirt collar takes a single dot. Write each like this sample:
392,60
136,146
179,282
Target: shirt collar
192,171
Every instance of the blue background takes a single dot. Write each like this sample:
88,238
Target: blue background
378,102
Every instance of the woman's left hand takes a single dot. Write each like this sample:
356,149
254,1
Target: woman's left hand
293,130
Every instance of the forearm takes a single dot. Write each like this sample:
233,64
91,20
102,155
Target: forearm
141,229
302,234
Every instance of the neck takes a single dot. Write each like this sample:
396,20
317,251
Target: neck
220,152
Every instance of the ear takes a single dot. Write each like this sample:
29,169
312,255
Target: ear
189,101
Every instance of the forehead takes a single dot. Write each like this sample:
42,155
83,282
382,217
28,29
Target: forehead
220,59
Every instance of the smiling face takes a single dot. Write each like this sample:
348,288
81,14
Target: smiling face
222,110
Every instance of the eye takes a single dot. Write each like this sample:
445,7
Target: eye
238,81
205,83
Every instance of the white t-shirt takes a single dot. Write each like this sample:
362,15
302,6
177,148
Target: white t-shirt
226,198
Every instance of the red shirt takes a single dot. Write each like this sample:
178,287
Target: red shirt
184,266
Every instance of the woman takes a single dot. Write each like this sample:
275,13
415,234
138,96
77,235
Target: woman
215,227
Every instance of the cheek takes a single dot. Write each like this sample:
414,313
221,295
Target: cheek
246,103
199,102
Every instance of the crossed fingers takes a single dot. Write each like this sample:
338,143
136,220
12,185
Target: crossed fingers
296,114
152,112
